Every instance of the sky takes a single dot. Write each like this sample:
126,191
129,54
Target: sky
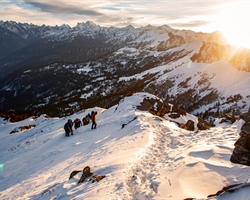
228,16
149,158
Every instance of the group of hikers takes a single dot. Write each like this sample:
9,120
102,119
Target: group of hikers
68,127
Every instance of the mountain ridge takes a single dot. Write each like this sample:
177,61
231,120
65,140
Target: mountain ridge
90,67
84,33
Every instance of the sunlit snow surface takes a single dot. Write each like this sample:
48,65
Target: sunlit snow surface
150,158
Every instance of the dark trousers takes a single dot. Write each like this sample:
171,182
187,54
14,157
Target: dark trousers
93,125
67,133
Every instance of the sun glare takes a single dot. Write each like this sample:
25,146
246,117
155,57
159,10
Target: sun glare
233,23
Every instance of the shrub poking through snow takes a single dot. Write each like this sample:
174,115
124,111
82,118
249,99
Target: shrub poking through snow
22,128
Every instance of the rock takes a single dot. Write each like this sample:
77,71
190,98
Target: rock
245,116
74,173
85,173
176,109
230,188
145,105
188,126
228,118
174,115
96,178
246,128
241,152
203,125
157,107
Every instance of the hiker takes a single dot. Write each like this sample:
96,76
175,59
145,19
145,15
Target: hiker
68,128
93,118
89,115
86,120
78,123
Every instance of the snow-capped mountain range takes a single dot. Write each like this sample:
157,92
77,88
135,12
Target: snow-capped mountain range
28,44
60,70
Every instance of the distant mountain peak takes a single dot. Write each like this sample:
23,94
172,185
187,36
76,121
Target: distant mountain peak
130,27
88,24
166,27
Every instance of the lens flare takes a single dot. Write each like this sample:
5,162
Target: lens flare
233,23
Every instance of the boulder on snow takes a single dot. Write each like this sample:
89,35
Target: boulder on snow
96,178
241,152
188,126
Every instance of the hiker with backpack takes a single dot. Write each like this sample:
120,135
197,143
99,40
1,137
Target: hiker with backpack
93,118
86,120
78,123
68,128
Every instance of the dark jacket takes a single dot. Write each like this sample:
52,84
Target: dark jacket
68,127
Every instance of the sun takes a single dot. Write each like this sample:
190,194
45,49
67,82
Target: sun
233,22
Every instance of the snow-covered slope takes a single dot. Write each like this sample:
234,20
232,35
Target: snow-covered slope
149,158
217,87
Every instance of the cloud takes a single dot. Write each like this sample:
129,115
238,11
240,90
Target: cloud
189,24
176,13
62,8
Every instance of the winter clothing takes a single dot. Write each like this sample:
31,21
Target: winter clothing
68,128
78,123
86,120
93,118
89,115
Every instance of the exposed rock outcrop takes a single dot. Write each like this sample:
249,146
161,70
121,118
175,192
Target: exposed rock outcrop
228,118
229,189
203,125
188,126
160,108
157,107
241,152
